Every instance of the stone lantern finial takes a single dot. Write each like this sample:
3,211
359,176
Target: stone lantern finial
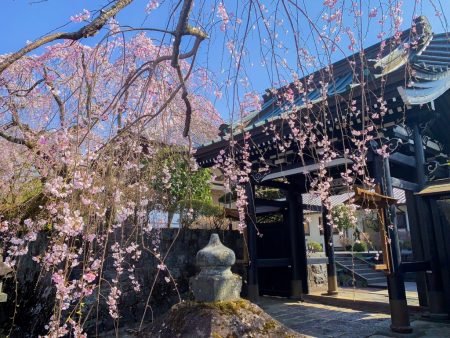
216,282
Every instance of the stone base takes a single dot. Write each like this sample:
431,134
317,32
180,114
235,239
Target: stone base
216,288
238,318
296,290
399,316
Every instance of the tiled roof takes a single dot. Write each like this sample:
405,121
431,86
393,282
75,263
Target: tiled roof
430,61
335,200
431,77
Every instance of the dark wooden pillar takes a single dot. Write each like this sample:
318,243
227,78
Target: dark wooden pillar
417,244
299,281
302,244
396,285
252,277
329,252
441,222
439,306
434,282
420,157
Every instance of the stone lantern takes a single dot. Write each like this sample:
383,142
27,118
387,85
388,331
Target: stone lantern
216,282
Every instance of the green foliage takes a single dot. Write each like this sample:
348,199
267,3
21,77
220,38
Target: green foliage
22,202
261,192
184,183
186,191
229,197
314,246
360,247
269,193
342,217
269,218
371,221
191,210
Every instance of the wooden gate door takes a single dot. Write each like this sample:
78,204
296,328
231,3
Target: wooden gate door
274,262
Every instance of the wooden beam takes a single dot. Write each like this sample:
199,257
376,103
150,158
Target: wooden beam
405,185
415,266
271,203
400,158
298,169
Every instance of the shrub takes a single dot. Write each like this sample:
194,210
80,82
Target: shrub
314,246
360,247
343,217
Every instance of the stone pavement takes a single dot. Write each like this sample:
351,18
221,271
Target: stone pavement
317,320
374,299
421,328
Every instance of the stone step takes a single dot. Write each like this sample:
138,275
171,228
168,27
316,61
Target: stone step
356,266
378,285
364,256
376,280
369,275
350,260
365,270
374,274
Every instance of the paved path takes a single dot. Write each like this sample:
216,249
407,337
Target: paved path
317,320
372,295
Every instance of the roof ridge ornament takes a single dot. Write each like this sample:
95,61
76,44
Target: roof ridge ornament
420,34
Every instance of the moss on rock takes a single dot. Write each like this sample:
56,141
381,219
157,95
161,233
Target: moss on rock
224,319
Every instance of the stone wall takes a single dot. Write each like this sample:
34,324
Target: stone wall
180,245
34,299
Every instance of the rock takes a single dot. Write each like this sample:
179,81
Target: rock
5,270
216,282
239,318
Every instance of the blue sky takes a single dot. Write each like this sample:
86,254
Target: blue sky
22,20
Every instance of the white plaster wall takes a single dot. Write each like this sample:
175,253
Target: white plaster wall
314,228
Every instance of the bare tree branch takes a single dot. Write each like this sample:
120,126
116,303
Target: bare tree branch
183,28
88,86
27,91
16,140
89,30
58,100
